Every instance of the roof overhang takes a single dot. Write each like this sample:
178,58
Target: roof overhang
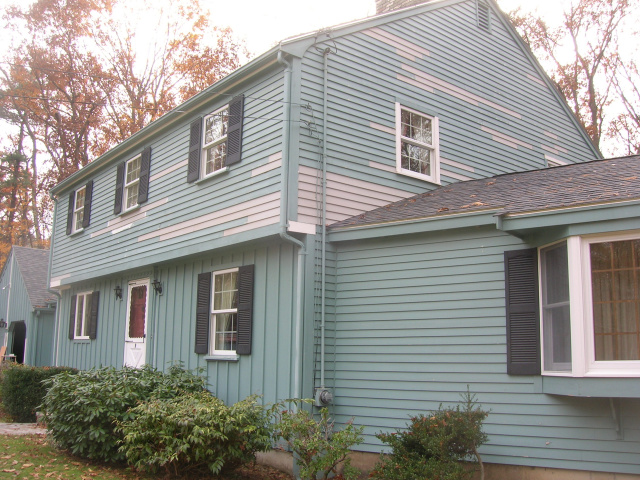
618,215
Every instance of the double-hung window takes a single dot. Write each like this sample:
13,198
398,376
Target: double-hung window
224,312
417,149
131,183
214,141
591,306
79,214
78,209
82,315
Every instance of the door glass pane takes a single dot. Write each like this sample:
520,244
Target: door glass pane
137,311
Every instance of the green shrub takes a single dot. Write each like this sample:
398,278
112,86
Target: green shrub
433,445
24,391
194,433
317,447
81,410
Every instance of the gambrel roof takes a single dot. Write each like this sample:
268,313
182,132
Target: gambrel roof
591,183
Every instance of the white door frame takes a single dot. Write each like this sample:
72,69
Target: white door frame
135,348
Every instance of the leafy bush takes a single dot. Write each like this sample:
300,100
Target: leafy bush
194,433
433,445
81,410
24,390
317,447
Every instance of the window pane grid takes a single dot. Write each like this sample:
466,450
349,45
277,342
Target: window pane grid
132,182
615,278
224,321
214,141
78,209
83,315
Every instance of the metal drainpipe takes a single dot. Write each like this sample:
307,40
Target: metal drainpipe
56,320
284,223
6,337
325,75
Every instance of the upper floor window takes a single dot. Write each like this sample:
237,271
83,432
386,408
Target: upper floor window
591,306
214,141
79,214
417,146
132,182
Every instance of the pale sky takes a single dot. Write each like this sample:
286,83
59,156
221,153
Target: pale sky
263,23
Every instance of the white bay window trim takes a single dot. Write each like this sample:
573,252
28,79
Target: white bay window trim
583,356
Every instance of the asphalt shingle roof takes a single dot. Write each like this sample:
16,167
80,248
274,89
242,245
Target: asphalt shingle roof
33,264
598,181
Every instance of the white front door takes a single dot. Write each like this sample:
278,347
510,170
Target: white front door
136,330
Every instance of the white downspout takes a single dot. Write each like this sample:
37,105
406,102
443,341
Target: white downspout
284,223
56,318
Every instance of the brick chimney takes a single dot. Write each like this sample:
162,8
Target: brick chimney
385,6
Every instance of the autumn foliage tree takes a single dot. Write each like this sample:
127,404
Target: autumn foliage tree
583,59
84,75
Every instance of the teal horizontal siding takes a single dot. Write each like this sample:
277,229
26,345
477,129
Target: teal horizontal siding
268,371
92,253
363,87
421,317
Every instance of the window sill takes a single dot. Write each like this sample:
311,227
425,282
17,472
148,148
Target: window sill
77,232
591,387
419,176
212,175
222,358
81,340
124,213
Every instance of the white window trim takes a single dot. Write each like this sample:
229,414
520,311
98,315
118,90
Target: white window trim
76,209
580,301
205,146
126,186
434,147
84,296
212,320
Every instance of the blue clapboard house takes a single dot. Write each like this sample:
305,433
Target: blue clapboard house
374,215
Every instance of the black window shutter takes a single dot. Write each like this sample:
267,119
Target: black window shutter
145,168
72,317
234,130
523,312
203,305
86,215
193,170
245,309
117,204
93,319
72,201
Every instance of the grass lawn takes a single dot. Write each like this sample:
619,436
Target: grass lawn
30,456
